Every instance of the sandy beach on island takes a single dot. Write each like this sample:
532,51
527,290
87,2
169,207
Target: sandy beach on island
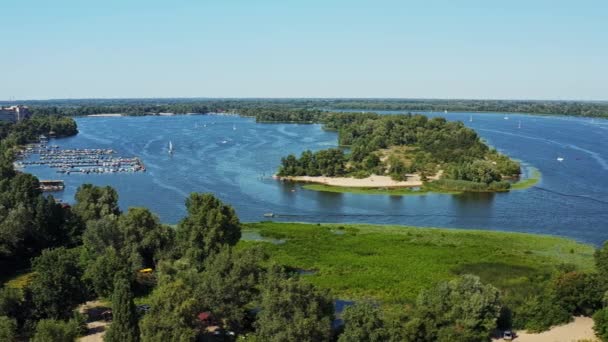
373,181
105,115
581,328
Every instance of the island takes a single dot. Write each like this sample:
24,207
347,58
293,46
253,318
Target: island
397,151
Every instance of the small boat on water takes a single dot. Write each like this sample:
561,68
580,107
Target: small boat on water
268,214
471,118
560,159
170,147
234,127
519,125
506,117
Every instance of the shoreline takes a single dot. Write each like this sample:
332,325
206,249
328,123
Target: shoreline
371,182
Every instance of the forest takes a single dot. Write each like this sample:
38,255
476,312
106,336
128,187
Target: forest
205,105
397,145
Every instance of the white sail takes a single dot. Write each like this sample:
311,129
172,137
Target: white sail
170,147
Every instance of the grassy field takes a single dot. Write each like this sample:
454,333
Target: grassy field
392,264
529,182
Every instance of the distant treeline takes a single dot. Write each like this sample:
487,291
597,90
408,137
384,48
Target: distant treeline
201,105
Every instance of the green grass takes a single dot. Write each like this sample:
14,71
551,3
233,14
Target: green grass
375,191
19,280
528,182
365,191
392,264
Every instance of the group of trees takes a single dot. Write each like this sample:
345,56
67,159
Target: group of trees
431,145
29,221
244,106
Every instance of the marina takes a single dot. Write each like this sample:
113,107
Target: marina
77,160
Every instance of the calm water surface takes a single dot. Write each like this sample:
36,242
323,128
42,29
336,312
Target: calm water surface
236,165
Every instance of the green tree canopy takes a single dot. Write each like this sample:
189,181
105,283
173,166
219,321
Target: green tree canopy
462,309
228,283
50,330
8,328
94,202
291,310
209,225
172,315
363,322
57,288
124,327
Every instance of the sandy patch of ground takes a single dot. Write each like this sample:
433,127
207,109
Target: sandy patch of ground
579,329
373,181
105,115
96,326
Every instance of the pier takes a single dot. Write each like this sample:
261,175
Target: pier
86,161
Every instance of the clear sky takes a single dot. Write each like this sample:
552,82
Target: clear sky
508,49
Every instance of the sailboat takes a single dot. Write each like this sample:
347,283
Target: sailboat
519,125
170,147
471,118
234,127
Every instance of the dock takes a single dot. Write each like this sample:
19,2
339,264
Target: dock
51,185
86,161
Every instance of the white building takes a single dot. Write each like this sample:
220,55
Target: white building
14,113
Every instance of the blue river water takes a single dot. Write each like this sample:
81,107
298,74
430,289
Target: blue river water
234,158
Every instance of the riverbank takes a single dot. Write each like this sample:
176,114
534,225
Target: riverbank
413,187
392,264
373,181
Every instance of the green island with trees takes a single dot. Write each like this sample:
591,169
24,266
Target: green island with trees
445,156
200,280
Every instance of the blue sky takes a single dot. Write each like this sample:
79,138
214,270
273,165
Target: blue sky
313,48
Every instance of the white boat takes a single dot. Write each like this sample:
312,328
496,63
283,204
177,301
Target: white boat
560,159
471,118
170,147
506,118
234,127
445,111
519,125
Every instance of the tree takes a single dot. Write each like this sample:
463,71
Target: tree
172,314
10,302
94,202
363,322
100,271
601,261
8,328
291,310
57,288
600,319
578,293
144,237
50,330
228,284
210,224
124,326
462,309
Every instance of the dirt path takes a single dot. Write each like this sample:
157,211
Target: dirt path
579,329
96,326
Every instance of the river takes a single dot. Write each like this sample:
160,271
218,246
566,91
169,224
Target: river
234,158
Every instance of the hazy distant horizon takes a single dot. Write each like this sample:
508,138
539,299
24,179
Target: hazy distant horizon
7,101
